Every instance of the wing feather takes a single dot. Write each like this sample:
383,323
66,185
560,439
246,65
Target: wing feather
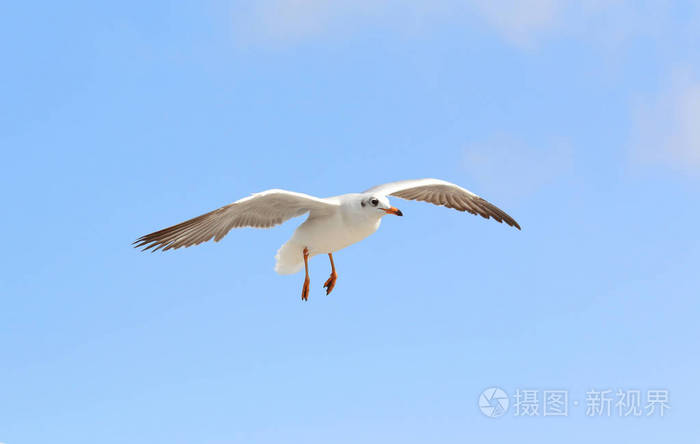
261,210
440,192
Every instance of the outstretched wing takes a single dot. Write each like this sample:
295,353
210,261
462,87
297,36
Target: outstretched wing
440,192
260,210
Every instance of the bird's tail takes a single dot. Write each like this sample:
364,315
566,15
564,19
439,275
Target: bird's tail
290,258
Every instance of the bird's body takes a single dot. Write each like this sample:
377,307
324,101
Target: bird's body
326,234
333,223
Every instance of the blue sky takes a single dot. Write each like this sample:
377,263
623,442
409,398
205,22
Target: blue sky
577,118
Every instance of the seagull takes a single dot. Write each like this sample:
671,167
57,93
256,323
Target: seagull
333,223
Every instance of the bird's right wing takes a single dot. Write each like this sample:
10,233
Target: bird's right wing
260,210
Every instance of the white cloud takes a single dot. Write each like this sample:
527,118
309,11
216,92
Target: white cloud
667,128
289,21
511,167
522,23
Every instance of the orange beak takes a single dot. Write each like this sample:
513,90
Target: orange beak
393,210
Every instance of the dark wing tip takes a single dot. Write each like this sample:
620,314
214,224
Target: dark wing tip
164,239
498,214
513,223
146,243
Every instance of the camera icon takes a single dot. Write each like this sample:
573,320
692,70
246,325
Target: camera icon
493,402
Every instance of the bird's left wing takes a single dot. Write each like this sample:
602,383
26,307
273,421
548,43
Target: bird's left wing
440,192
260,210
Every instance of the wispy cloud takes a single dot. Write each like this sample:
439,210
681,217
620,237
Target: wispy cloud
290,21
511,167
522,23
667,130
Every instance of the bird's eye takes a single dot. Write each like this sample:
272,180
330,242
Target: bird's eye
374,202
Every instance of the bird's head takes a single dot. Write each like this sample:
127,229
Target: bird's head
379,204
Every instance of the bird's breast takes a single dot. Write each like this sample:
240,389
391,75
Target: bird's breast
327,235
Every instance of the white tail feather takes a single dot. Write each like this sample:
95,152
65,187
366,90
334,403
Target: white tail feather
290,258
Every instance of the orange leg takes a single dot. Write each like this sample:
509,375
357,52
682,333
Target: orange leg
330,283
305,288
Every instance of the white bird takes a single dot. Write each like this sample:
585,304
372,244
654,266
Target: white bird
333,223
